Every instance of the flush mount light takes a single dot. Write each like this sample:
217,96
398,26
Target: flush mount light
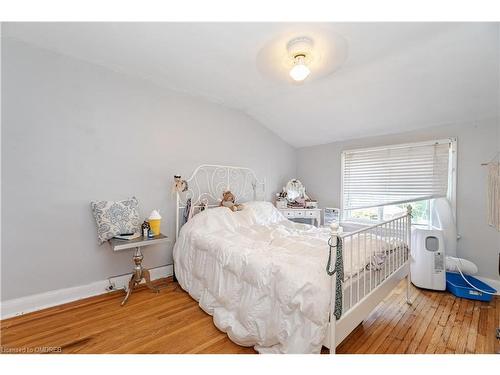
318,49
299,50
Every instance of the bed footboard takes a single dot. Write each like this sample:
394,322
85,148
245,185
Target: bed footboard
383,251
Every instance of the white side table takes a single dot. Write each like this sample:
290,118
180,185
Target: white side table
139,271
313,214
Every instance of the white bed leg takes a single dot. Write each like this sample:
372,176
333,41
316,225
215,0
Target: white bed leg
408,299
408,244
408,285
333,323
333,320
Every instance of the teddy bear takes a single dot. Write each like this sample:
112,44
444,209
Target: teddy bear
179,185
228,201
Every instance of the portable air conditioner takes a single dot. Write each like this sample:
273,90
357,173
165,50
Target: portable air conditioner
428,268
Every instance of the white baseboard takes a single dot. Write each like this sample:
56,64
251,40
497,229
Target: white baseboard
35,302
495,284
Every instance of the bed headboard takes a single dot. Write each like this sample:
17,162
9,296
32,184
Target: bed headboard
208,182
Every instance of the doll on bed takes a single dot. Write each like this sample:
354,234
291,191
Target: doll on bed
228,200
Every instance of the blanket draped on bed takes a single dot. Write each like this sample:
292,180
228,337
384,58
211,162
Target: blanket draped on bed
261,276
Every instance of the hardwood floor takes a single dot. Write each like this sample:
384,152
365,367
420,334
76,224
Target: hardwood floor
436,322
171,322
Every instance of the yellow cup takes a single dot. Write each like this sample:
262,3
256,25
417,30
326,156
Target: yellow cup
155,226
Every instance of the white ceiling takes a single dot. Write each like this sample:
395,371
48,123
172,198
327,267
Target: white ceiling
397,76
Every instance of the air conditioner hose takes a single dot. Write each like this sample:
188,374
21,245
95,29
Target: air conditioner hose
467,281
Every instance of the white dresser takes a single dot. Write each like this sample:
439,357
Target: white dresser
313,214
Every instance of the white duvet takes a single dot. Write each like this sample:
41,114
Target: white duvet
261,276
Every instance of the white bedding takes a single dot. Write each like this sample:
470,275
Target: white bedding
261,276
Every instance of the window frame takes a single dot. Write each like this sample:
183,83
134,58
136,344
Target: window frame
452,177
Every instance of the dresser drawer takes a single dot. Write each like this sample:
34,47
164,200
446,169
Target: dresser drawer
291,214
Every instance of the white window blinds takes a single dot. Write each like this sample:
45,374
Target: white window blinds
395,174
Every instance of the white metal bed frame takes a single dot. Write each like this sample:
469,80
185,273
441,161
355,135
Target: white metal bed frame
205,188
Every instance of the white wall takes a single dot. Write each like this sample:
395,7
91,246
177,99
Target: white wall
73,132
319,168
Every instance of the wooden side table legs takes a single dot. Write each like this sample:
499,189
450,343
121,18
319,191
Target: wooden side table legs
139,274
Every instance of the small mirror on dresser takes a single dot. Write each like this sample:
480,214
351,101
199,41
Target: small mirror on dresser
294,203
294,190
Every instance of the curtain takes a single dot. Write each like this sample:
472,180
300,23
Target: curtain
494,195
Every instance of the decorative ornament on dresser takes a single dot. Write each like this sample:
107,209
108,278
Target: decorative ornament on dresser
294,203
281,201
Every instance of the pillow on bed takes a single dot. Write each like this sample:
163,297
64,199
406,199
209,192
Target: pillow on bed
264,212
222,219
114,218
214,219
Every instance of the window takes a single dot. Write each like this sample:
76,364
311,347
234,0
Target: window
378,183
421,212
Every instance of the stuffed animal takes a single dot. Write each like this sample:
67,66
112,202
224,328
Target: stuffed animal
228,200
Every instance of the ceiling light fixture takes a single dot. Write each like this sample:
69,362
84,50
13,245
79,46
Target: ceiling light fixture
299,50
300,71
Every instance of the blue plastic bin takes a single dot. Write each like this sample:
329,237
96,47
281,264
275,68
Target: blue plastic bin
457,286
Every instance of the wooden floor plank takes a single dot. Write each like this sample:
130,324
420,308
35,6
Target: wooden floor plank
472,334
444,327
451,345
490,344
433,324
482,330
416,345
405,335
172,322
462,339
497,324
395,337
420,319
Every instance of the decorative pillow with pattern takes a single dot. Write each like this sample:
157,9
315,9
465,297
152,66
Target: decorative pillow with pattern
114,218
